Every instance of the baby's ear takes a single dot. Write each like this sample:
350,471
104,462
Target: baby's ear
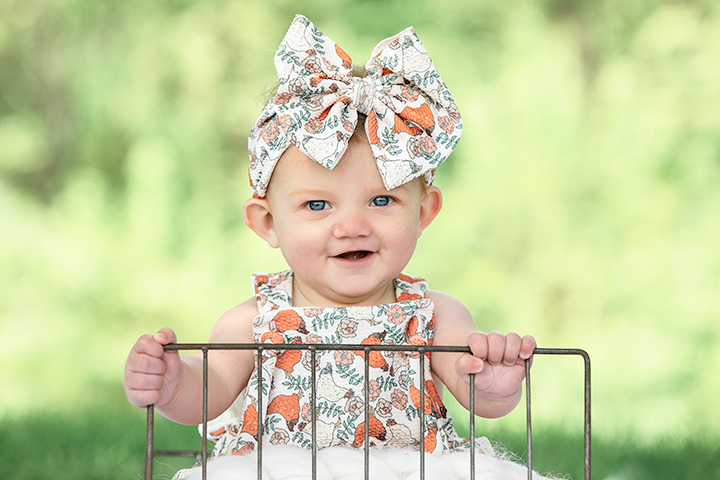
430,206
258,216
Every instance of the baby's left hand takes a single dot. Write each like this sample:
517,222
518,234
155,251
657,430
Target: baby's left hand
498,362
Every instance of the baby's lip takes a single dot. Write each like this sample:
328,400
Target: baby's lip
354,254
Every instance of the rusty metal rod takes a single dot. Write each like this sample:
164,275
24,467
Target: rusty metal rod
528,419
204,347
472,426
317,346
366,413
313,408
421,352
205,413
261,422
149,443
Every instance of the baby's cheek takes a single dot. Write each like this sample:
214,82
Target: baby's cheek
410,244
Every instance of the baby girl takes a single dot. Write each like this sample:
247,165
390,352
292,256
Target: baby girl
342,160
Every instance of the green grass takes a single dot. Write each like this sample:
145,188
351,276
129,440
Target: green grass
621,459
107,441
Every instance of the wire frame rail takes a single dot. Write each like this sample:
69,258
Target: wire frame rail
202,456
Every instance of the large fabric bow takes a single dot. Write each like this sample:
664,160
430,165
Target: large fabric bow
412,122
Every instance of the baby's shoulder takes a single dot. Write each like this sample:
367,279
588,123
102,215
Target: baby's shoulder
447,305
245,309
444,300
235,325
453,320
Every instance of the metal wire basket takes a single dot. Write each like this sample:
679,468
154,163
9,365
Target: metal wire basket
202,455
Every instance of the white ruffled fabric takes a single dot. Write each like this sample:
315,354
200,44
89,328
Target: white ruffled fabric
284,462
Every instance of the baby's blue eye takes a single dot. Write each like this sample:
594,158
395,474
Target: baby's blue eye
381,201
317,205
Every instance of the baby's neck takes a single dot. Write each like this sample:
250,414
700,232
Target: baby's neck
304,295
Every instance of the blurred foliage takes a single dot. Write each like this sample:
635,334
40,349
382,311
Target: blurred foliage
581,206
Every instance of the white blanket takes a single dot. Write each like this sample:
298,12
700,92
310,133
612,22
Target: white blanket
291,463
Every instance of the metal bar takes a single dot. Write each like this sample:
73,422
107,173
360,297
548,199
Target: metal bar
588,414
313,408
472,426
528,419
421,351
366,412
261,422
318,346
205,413
149,443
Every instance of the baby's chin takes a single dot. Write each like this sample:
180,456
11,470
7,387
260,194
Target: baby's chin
349,290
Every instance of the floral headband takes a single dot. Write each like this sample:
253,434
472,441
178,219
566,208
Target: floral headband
412,122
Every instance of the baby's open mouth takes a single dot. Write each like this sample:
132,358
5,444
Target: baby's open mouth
357,255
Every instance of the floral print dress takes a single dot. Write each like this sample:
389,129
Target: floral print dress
394,387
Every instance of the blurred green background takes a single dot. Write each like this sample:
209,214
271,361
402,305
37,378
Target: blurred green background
581,206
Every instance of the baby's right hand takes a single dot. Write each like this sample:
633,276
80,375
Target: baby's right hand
151,373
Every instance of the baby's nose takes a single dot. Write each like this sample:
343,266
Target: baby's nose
352,223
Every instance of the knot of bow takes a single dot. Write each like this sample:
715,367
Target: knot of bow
411,121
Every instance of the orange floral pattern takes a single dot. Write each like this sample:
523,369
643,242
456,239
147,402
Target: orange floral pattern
393,395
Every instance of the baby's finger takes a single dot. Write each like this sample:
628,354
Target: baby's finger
478,343
496,348
142,398
467,364
141,381
145,364
146,345
165,336
513,342
528,347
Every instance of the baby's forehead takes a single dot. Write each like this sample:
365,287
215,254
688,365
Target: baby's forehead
357,169
357,160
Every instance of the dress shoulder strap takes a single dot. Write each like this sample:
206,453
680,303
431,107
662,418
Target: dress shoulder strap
273,291
408,287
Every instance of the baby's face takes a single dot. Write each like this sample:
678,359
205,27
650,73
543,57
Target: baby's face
344,235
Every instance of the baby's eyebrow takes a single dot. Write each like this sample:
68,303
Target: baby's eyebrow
308,192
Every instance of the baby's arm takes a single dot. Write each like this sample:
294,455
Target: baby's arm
498,361
174,383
